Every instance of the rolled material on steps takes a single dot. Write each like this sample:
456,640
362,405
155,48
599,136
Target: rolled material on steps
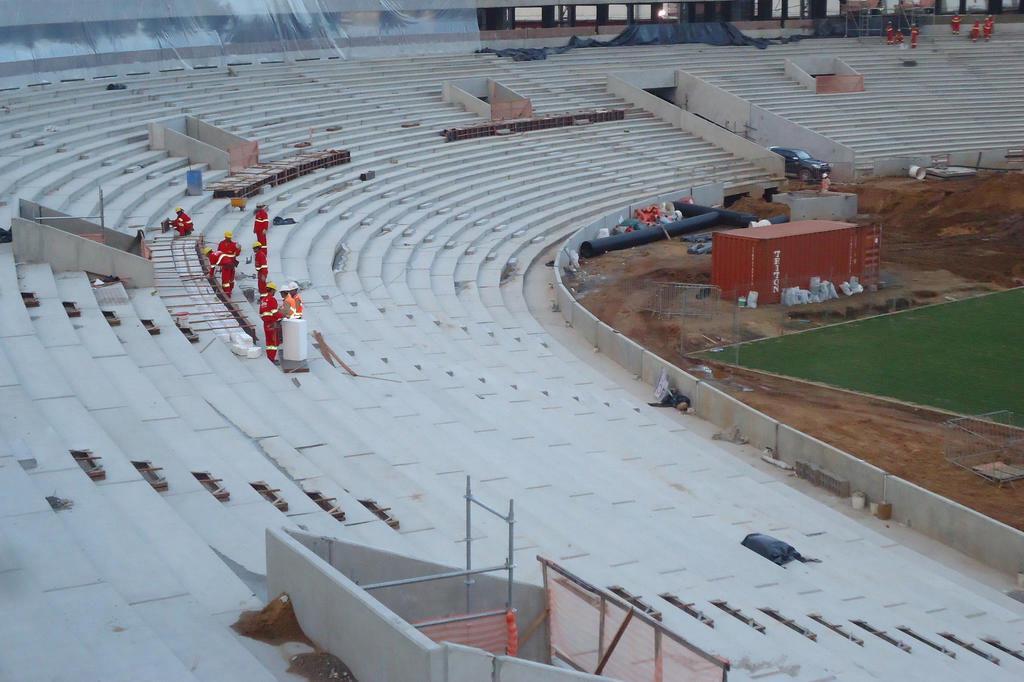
778,219
596,247
731,218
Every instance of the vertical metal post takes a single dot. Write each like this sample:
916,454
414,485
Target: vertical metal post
469,541
511,548
103,221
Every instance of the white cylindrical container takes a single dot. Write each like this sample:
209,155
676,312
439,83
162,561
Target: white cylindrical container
917,172
858,499
295,340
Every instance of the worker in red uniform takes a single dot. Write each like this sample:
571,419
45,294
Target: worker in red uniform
954,24
890,34
988,27
261,223
230,251
975,31
259,258
182,223
271,316
899,37
914,32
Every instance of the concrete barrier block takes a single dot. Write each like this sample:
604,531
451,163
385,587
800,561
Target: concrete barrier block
794,445
976,535
466,664
726,412
518,670
585,323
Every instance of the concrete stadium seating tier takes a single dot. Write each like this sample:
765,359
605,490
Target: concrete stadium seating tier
416,279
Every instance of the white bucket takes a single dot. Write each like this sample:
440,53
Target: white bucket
917,172
858,500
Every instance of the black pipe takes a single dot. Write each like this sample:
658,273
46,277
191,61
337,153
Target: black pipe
626,240
779,219
731,218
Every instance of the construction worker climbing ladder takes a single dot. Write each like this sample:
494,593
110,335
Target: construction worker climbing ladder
270,313
259,258
261,223
230,251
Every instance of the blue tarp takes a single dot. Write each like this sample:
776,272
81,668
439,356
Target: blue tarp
708,33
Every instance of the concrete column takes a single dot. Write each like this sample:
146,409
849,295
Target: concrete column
819,9
764,10
602,15
725,10
570,14
547,16
631,14
963,8
785,11
654,12
995,6
691,12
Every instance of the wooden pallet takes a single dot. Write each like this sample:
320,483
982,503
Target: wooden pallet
524,125
250,181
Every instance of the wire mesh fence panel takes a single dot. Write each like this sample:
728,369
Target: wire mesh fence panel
667,300
590,627
989,445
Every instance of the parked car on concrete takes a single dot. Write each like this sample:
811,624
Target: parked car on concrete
800,164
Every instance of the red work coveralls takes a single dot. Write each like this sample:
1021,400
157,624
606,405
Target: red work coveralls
987,28
230,250
913,37
260,225
975,30
183,224
271,316
260,260
954,24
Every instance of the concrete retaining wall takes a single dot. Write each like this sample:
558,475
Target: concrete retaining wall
202,143
983,158
630,87
67,252
376,643
723,410
761,126
976,535
426,601
466,92
980,537
343,619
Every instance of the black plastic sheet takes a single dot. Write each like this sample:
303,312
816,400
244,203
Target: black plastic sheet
709,33
774,550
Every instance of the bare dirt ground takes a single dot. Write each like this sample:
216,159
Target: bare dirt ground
942,240
276,624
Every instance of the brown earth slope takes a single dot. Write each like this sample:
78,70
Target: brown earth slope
941,240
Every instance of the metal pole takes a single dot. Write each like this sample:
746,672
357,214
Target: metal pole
511,566
469,541
103,221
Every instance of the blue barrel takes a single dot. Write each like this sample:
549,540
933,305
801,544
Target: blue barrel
194,183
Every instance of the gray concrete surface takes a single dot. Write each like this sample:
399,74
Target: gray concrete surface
812,205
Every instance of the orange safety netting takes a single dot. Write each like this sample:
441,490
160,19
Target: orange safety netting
489,632
645,652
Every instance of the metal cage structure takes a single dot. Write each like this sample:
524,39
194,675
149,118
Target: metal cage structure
667,300
989,445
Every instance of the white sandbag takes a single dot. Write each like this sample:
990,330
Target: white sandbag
752,299
603,233
803,296
242,345
845,288
815,283
832,290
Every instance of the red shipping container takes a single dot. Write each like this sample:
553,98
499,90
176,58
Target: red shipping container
770,259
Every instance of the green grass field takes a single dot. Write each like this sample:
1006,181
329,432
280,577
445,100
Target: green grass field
967,356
